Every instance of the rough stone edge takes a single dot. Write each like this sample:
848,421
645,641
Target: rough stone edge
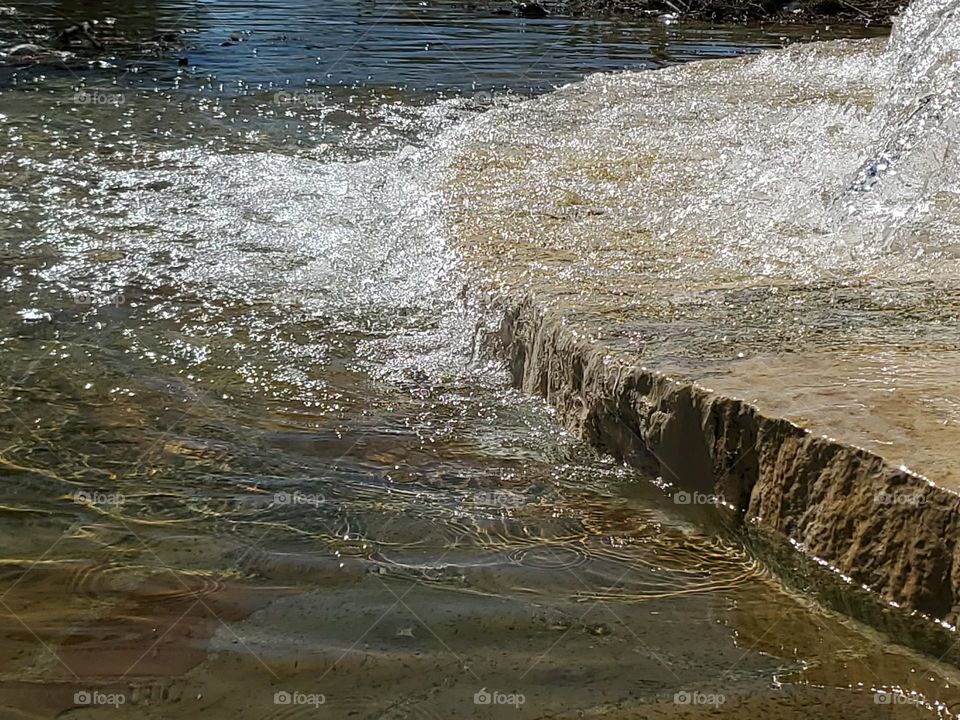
892,565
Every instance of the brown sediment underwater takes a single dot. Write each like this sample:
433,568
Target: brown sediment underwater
69,626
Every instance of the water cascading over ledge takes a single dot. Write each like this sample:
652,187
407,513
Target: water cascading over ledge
783,229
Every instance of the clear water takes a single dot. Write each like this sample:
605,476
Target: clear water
253,455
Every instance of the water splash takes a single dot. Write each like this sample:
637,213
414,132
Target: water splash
819,161
906,190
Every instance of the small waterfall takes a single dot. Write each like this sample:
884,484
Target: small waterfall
906,190
816,162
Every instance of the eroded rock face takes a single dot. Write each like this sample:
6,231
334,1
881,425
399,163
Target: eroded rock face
881,526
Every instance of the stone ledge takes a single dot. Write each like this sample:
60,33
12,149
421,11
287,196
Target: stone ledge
875,526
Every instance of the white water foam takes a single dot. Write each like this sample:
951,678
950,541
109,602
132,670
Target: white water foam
819,161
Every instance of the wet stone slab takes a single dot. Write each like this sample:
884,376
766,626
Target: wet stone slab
782,230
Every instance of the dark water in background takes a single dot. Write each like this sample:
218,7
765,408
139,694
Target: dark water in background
251,455
411,45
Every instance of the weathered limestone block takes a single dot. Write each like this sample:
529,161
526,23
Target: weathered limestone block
879,526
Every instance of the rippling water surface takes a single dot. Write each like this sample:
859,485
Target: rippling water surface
253,454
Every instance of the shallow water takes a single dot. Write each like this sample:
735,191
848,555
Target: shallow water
254,455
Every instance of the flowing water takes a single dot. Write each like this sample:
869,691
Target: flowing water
782,228
255,460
